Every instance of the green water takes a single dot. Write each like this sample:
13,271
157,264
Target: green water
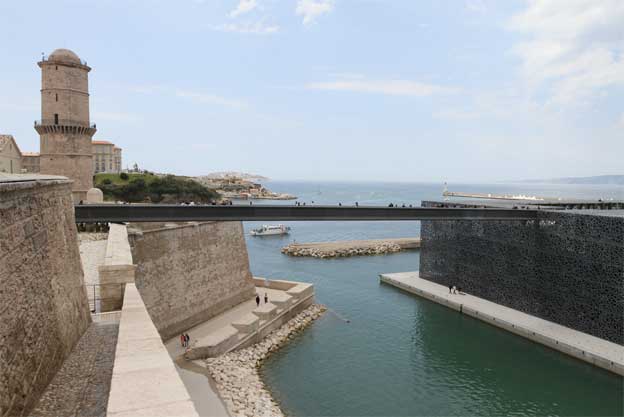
402,355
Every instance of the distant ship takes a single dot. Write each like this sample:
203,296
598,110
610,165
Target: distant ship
267,230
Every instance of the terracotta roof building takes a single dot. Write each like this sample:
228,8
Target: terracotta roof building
106,157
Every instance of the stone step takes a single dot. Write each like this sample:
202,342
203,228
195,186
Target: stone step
247,324
266,311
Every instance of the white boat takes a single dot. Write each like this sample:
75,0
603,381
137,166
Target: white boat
267,230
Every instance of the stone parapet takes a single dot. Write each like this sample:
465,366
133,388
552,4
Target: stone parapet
145,381
117,270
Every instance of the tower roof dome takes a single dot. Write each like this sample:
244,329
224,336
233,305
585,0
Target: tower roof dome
64,55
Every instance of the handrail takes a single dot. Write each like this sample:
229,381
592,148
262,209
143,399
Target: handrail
64,122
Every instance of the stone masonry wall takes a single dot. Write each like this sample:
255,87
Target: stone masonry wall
189,273
43,303
565,267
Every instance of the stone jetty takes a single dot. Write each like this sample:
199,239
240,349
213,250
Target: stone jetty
347,248
236,373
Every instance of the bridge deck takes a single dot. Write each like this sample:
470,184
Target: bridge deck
164,213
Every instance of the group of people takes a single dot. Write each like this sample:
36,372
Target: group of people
453,289
266,299
185,340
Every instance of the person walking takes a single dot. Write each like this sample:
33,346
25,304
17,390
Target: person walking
266,298
188,340
450,289
257,300
182,340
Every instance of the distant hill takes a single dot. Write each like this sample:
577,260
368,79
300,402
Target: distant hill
148,187
241,175
600,179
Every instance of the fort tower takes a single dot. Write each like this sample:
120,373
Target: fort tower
64,129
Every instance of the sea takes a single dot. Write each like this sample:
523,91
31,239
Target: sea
378,351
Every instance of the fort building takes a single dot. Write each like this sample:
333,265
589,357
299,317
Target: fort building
10,155
30,162
65,130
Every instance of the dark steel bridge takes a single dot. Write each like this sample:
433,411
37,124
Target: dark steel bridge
175,213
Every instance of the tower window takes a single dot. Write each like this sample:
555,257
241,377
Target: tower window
57,97
56,67
55,118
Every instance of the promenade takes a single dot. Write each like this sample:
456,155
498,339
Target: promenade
583,346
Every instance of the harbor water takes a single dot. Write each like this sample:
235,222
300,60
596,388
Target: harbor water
380,352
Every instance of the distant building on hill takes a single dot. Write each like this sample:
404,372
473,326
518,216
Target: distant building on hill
106,157
30,162
10,155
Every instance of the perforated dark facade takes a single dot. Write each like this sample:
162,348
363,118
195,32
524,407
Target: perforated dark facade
566,267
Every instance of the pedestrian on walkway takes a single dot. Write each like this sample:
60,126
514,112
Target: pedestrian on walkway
450,289
182,340
257,300
266,298
187,338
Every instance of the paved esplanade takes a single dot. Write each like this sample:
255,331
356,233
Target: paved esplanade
169,212
600,352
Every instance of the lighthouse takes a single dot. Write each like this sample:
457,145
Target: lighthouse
65,130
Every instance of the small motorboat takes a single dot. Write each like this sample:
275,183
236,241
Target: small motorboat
268,230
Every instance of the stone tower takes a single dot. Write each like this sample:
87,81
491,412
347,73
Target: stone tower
64,129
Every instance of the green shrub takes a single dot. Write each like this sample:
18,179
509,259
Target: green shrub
123,176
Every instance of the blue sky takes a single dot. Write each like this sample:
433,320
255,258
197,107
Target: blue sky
405,90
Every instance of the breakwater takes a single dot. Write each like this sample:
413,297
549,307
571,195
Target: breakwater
348,248
236,373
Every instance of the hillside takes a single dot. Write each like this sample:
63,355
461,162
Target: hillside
136,188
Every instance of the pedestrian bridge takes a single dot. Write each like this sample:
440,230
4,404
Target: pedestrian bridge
90,213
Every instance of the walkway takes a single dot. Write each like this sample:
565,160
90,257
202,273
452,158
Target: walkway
583,346
81,387
203,330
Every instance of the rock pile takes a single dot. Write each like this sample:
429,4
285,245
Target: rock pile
236,373
377,249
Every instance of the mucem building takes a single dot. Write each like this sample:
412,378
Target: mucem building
567,266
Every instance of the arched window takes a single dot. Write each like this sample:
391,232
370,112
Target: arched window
55,118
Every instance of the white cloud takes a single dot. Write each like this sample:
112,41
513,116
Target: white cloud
388,87
211,99
311,9
573,49
244,6
256,28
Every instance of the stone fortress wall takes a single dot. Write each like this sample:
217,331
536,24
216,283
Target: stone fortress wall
566,267
188,273
43,303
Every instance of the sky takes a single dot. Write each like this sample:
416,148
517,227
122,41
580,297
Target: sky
388,90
